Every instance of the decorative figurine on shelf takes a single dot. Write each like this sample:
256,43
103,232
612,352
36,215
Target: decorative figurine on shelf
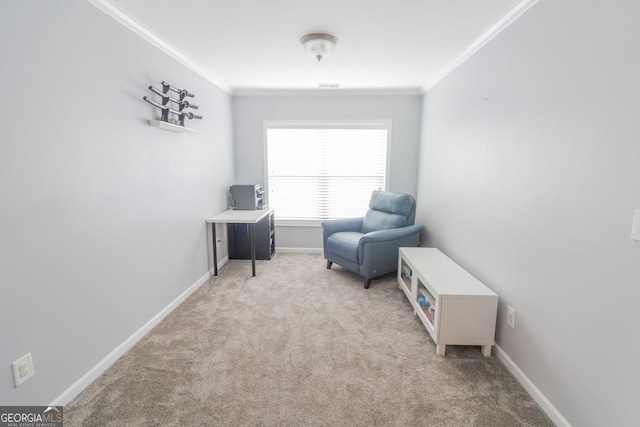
181,103
423,302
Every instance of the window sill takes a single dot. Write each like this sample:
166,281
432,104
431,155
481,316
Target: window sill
298,223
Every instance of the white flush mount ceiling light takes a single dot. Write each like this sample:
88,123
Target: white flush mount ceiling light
319,44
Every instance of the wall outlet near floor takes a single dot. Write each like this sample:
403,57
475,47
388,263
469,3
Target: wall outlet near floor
22,369
511,316
635,229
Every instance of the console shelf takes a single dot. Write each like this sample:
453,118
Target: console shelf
455,307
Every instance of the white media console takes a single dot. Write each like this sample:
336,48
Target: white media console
455,307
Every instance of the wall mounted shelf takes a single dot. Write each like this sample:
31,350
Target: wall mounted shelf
170,126
176,125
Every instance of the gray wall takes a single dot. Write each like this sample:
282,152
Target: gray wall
529,177
249,113
101,215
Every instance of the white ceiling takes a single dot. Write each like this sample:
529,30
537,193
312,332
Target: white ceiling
250,45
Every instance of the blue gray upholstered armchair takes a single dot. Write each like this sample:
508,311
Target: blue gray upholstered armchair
369,246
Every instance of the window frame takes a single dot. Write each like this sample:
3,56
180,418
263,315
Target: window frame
320,124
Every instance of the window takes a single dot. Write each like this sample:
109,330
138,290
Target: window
317,172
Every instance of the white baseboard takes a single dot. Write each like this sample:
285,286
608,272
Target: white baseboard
531,388
299,250
111,358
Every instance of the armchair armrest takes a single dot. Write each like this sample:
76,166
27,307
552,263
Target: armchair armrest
383,241
337,225
391,234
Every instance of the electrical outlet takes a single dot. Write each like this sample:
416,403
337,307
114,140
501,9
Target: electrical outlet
635,229
22,369
511,316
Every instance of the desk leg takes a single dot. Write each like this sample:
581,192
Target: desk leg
209,247
215,249
253,249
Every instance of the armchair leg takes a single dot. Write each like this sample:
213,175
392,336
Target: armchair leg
367,282
329,263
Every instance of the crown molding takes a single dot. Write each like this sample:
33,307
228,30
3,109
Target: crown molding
328,92
503,22
135,26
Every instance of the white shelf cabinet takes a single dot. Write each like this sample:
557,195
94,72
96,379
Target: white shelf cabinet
462,310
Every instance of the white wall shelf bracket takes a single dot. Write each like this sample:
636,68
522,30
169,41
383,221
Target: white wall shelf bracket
170,126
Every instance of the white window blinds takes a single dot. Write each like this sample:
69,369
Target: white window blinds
317,173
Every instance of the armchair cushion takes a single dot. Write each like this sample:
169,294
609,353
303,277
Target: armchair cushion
345,244
388,210
378,220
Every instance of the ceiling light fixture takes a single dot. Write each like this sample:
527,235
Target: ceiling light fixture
319,44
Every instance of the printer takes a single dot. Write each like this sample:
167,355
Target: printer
247,197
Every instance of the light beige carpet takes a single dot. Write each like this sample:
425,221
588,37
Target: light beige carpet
300,345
